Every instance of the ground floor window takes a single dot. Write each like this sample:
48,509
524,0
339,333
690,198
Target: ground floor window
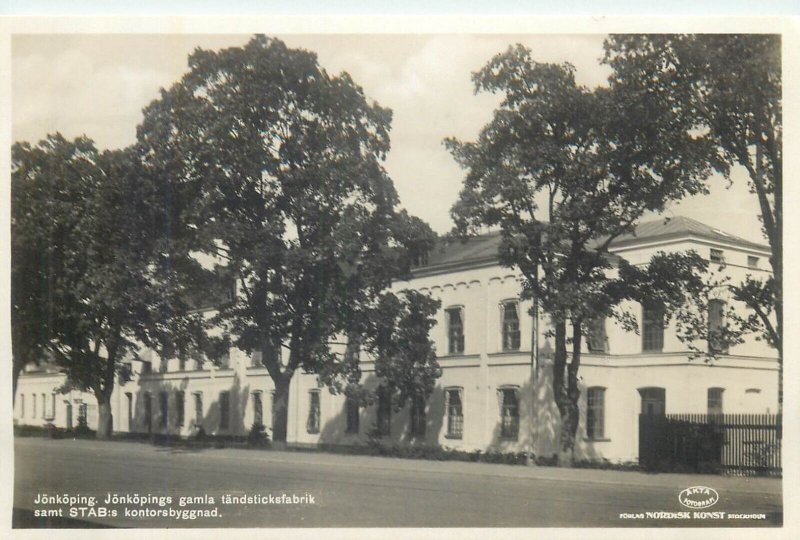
258,409
352,415
198,408
509,413
384,411
595,412
129,401
224,410
715,401
163,399
653,401
179,407
312,423
455,413
418,420
83,415
22,405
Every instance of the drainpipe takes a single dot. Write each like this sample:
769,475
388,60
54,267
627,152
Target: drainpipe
534,373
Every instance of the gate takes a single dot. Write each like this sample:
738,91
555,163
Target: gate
743,443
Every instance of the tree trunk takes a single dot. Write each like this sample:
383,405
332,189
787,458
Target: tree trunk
570,415
105,419
280,410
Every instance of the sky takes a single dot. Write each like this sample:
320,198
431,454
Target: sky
96,85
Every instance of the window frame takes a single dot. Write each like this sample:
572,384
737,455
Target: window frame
649,343
198,408
257,398
716,255
753,262
455,423
511,340
458,346
596,413
717,394
224,410
163,407
716,325
418,416
594,325
509,430
180,408
352,415
659,392
314,412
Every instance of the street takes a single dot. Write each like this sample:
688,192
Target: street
312,489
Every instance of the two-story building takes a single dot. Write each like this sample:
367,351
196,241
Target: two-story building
493,395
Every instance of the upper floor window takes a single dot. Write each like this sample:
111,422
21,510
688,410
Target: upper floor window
595,412
596,335
509,413
752,262
455,330
510,320
652,327
717,256
418,420
312,422
455,413
716,326
715,401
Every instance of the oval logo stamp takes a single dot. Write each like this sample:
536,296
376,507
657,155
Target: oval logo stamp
698,497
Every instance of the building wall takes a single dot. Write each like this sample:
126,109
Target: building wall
748,376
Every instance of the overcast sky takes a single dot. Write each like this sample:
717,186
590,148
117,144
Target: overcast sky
97,85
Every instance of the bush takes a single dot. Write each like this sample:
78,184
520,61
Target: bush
258,436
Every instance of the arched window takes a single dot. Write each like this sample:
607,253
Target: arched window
455,329
510,324
455,412
509,412
652,327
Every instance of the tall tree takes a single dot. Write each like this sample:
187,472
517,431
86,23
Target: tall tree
277,167
556,170
725,91
107,273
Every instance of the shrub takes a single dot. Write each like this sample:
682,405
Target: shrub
258,435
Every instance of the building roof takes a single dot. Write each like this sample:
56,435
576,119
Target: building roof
484,248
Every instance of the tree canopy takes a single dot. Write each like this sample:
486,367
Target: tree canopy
274,166
561,175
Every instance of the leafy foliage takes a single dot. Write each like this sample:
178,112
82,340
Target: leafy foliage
561,174
276,170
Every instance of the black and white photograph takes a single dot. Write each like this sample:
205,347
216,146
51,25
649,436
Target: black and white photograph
294,280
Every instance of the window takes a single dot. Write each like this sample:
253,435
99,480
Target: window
44,406
182,363
384,411
418,420
163,399
258,409
256,359
129,400
652,327
83,415
455,330
596,336
147,367
198,408
148,412
509,413
33,402
717,256
455,413
595,412
179,407
716,326
715,401
653,401
510,320
752,262
22,405
312,423
271,408
352,414
52,406
224,410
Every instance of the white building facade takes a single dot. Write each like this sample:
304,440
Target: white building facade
490,397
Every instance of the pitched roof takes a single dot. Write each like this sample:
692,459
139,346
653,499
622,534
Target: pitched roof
483,248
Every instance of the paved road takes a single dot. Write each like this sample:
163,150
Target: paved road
355,491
